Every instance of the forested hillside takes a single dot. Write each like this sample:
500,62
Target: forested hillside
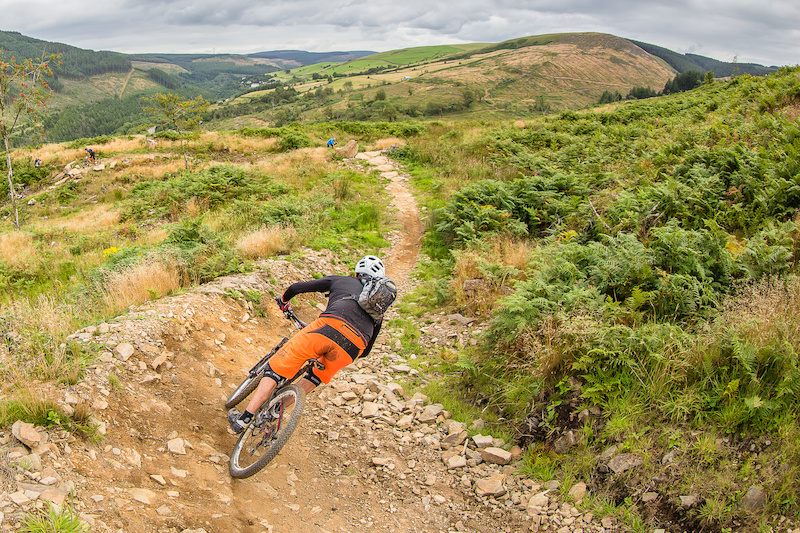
77,63
218,75
721,69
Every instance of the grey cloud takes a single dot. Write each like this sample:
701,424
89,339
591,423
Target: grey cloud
765,32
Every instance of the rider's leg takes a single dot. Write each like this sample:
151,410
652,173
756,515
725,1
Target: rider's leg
261,394
266,386
306,385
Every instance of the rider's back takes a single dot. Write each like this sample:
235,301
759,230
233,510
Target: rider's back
342,301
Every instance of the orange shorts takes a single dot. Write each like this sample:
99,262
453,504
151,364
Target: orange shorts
330,340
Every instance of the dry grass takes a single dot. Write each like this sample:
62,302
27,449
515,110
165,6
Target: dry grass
120,145
155,236
239,144
791,112
471,290
476,291
17,249
33,339
294,166
267,242
195,207
144,167
383,144
513,252
45,314
151,279
87,220
467,267
50,154
24,402
765,311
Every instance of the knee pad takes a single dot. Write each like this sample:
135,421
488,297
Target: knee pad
312,377
277,378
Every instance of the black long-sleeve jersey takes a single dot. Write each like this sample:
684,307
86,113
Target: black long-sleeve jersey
342,303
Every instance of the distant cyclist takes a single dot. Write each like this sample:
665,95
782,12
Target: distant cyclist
90,155
340,335
331,142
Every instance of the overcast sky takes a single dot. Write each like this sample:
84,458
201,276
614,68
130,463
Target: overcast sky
765,32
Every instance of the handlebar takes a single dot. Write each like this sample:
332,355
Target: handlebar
289,314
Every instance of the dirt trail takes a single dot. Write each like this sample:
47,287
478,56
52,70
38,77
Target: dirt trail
403,256
125,83
158,391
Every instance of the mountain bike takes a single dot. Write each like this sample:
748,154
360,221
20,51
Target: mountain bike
275,420
89,163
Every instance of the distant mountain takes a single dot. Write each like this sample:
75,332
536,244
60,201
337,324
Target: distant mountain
303,58
524,77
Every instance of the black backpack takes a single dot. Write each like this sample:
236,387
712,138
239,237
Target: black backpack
377,295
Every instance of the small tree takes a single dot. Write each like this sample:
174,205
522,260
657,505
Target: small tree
23,95
183,115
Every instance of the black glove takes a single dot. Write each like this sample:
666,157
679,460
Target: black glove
285,306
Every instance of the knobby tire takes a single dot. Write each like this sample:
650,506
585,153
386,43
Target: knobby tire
252,380
253,438
245,388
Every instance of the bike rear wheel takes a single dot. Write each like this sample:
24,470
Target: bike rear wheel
269,431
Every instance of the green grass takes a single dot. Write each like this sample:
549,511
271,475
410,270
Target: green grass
30,409
420,54
381,60
52,520
540,464
704,375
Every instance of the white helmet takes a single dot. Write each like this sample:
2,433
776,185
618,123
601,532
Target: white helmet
371,266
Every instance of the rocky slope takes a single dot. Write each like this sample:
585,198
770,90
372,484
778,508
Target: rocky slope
368,456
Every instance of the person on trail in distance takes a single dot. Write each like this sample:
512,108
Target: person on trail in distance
341,334
331,142
90,154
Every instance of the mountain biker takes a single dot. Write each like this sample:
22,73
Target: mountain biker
90,154
341,334
331,142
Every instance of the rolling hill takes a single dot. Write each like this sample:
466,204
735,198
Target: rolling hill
520,78
100,93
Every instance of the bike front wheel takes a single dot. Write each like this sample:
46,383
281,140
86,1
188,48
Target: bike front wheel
253,378
246,387
269,431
